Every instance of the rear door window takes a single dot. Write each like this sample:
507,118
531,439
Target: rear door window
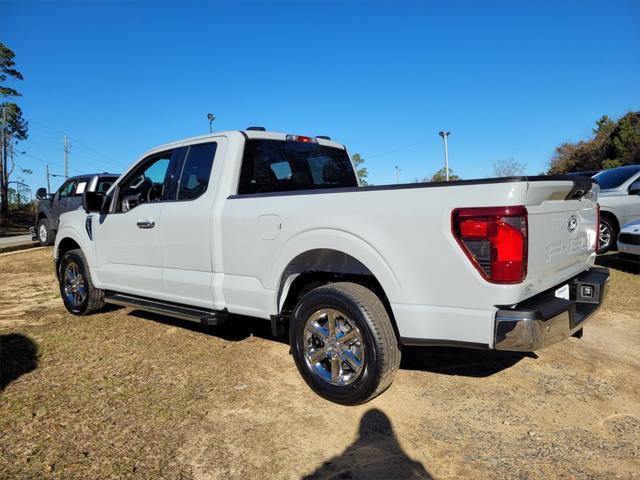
81,186
196,171
281,166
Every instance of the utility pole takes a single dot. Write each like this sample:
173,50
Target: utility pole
398,169
67,147
48,182
444,136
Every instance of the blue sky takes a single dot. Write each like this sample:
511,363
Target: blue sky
509,79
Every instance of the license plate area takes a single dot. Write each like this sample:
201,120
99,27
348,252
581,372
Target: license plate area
586,292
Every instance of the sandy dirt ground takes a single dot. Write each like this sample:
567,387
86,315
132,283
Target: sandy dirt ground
131,394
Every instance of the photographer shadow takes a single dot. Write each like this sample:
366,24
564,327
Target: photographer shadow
18,355
375,454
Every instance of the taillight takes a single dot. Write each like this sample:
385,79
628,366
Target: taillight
597,227
495,240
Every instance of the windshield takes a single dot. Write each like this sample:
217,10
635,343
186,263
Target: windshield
281,166
616,176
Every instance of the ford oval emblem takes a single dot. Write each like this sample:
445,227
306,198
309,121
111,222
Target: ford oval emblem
572,223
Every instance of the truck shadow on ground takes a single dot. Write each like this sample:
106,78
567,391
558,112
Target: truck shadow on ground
444,360
236,328
613,261
18,355
460,361
375,454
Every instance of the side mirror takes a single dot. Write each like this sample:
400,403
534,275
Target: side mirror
41,193
634,189
93,201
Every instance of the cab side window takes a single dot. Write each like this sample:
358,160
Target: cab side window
81,186
196,171
145,184
104,184
66,190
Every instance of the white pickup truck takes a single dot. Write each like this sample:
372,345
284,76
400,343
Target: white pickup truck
276,226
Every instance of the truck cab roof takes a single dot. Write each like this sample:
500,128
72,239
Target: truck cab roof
247,134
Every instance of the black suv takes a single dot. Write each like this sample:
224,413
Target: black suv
67,198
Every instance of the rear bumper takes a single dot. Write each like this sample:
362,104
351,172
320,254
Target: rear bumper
543,320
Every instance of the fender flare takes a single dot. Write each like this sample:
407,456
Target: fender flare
331,239
87,247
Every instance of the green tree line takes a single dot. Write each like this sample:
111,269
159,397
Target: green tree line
614,143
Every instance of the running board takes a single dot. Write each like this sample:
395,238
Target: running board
184,312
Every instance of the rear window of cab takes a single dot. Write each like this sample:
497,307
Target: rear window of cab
283,166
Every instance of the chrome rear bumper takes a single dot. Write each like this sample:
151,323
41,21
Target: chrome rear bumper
543,320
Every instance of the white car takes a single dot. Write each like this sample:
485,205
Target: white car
629,240
619,201
276,226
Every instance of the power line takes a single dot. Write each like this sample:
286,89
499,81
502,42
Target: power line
78,142
41,131
398,149
42,162
42,125
85,150
96,152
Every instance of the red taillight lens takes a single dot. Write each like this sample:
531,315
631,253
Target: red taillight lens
495,240
598,227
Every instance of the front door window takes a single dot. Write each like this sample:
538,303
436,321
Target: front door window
146,185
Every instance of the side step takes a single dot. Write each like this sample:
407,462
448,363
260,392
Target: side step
184,312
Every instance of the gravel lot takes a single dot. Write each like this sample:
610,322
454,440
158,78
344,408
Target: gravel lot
131,394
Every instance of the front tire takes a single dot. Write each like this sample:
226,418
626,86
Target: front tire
343,343
608,235
45,236
79,295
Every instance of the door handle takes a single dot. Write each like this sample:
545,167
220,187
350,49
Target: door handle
146,224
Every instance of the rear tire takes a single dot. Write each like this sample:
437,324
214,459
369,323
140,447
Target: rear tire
608,235
45,236
344,344
79,295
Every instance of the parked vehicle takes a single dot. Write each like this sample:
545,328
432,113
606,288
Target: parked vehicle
629,241
586,173
67,197
619,201
276,226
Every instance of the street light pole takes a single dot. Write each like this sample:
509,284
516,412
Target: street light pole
398,174
211,118
444,136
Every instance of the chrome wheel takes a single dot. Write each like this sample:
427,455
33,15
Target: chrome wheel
42,233
605,236
334,347
75,288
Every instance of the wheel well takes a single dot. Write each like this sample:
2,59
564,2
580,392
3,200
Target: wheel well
41,216
611,216
64,246
323,267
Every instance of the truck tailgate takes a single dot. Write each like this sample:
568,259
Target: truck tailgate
563,217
